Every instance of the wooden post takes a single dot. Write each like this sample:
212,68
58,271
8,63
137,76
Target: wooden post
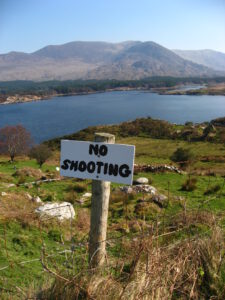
99,212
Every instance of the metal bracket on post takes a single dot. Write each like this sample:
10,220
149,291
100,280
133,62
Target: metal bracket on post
99,212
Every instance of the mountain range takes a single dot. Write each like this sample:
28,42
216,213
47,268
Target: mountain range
101,60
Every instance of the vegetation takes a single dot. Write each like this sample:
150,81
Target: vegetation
172,251
48,88
182,156
14,140
41,153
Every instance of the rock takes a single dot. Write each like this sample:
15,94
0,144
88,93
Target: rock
141,180
160,200
3,194
61,211
126,189
10,185
87,195
28,185
28,196
145,188
36,199
84,198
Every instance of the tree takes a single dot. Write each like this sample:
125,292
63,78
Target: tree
41,153
14,140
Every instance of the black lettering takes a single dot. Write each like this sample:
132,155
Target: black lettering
124,170
91,167
65,165
113,169
93,148
103,150
99,164
106,168
73,165
82,166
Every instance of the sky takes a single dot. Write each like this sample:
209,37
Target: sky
28,25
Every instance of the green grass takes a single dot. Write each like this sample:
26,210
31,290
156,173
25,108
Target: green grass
24,241
150,150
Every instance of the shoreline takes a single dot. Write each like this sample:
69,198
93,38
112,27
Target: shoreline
17,99
33,98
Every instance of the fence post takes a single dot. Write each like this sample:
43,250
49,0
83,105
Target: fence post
99,212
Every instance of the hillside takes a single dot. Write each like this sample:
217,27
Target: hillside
98,60
164,238
209,58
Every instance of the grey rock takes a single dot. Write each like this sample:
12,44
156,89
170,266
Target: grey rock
141,180
62,211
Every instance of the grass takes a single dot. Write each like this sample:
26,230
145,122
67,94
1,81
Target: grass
130,216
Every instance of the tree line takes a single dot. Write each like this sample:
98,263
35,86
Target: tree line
48,88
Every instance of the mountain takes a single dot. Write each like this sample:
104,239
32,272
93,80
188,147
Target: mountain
98,60
208,58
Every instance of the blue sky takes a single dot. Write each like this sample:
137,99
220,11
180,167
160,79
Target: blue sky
27,25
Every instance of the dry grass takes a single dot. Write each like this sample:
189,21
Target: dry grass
17,206
29,172
183,269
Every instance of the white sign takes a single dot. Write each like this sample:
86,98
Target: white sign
100,161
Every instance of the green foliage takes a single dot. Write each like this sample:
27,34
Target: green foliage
182,156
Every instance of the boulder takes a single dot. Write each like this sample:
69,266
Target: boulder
9,185
87,195
145,188
62,211
126,189
4,194
160,200
36,199
84,198
28,196
141,180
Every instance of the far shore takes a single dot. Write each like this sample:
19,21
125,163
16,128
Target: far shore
217,90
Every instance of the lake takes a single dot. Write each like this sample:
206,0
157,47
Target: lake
63,115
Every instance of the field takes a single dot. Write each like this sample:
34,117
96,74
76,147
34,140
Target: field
169,250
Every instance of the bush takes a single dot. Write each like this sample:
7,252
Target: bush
189,185
182,156
41,153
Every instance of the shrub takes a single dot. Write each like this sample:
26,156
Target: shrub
41,153
182,156
189,185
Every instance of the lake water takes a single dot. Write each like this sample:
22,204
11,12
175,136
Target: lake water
63,115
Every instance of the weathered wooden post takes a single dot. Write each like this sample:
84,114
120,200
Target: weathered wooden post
99,212
103,162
